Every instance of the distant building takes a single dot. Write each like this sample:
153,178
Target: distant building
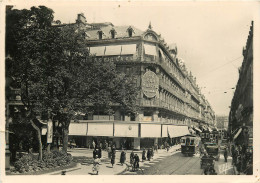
222,122
241,112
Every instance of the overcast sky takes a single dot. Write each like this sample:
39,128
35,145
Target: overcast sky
209,36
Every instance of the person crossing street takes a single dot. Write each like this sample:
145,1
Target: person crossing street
122,157
225,154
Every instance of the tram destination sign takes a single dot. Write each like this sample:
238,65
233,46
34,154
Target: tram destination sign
150,84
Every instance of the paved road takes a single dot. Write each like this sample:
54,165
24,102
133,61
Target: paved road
178,164
175,164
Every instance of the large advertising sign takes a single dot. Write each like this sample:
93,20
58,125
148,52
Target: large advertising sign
150,84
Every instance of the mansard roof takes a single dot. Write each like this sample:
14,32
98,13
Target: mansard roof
121,32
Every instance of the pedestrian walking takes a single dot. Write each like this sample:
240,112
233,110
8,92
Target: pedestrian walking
234,157
109,151
168,147
225,154
149,154
113,157
95,153
94,144
152,152
212,171
106,145
132,160
156,147
136,162
238,165
122,157
99,152
143,155
96,163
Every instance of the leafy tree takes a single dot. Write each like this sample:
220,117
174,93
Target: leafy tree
24,31
58,79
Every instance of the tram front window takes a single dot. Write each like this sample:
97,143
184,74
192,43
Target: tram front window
187,141
192,142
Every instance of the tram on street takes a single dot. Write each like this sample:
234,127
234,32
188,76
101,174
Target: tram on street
190,145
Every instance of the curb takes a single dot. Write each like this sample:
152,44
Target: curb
59,172
124,170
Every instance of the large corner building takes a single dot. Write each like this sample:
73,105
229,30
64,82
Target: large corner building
170,100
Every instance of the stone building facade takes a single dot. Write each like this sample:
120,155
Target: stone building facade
170,99
241,112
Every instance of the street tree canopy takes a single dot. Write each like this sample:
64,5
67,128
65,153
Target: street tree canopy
55,72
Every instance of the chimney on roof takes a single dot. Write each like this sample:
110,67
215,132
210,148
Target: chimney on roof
81,20
150,26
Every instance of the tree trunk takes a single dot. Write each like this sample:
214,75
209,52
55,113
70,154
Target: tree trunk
39,138
48,148
65,139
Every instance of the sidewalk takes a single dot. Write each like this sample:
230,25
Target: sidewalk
85,168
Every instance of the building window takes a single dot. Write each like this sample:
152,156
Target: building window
132,117
113,33
130,31
100,34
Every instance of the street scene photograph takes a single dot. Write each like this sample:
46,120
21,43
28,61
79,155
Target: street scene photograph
128,88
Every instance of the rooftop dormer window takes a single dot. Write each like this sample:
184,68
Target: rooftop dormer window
100,34
130,31
113,33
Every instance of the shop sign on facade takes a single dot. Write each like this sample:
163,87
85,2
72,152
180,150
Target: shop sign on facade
150,84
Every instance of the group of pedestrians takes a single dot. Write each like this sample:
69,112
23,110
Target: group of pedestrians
147,155
242,159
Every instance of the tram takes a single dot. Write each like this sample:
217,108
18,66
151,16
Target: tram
190,145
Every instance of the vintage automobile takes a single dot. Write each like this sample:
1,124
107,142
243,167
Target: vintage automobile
223,144
207,162
190,145
212,149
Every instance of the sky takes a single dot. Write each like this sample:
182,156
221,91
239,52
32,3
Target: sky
210,36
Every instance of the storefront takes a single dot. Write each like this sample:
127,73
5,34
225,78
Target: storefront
125,134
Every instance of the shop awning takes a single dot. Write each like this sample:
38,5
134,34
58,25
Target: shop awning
113,50
129,49
210,130
164,131
162,54
150,130
78,129
98,51
237,134
191,131
150,49
204,128
100,129
197,129
177,131
126,130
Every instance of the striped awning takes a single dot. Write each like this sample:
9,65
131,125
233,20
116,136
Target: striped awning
237,134
197,129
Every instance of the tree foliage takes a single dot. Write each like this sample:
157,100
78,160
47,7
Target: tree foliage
58,78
